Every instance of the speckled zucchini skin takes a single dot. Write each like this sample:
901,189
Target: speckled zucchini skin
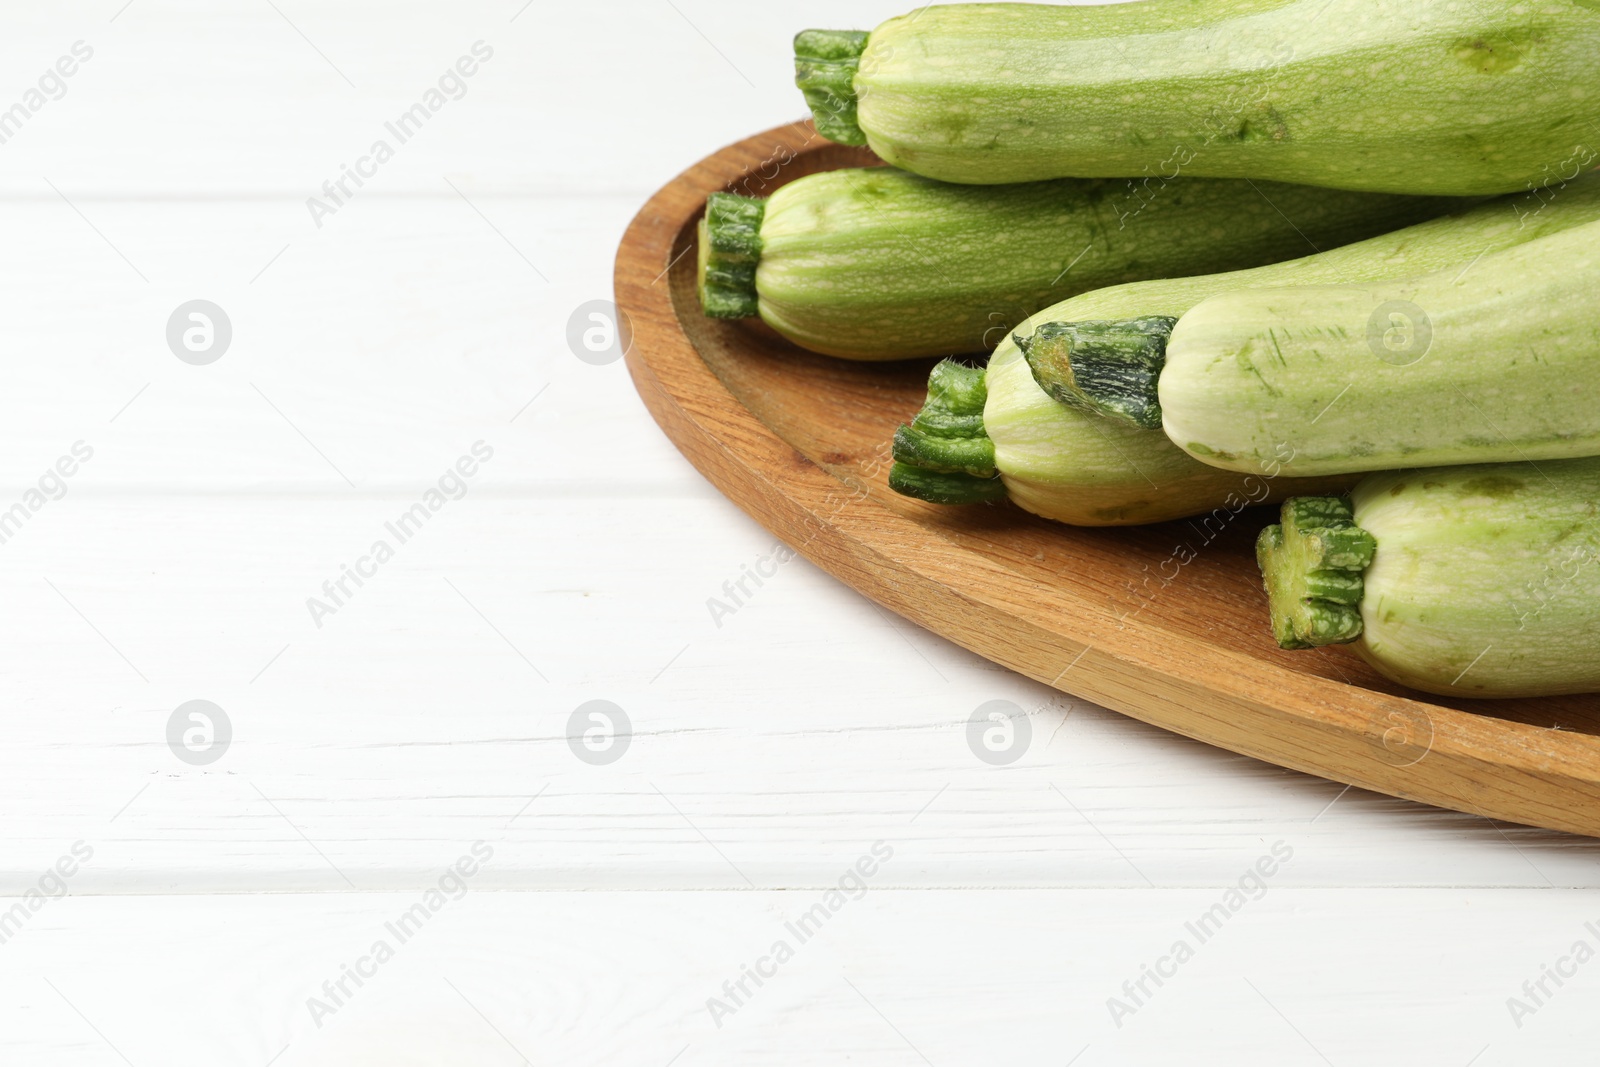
1456,97
878,264
1494,362
1486,580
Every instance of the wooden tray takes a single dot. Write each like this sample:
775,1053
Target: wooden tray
801,442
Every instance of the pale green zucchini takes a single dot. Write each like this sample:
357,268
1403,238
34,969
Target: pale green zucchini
876,264
1479,581
1457,97
1493,362
1069,464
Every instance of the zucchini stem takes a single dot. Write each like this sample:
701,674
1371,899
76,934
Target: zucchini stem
951,489
1107,367
825,65
730,249
944,456
1312,565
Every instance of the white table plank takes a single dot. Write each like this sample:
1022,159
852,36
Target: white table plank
949,978
370,356
616,96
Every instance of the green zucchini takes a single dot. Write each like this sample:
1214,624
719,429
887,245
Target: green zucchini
875,263
1478,581
1070,464
1458,97
988,434
1494,361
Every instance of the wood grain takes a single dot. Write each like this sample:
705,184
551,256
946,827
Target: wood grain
800,442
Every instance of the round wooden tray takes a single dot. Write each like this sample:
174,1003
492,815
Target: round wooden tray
1164,623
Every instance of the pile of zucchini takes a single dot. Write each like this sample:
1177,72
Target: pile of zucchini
1341,255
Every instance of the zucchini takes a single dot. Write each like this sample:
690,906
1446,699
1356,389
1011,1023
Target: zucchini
1478,581
988,434
1458,97
876,264
1069,464
1491,362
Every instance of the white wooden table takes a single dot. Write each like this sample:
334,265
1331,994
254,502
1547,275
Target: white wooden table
614,906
